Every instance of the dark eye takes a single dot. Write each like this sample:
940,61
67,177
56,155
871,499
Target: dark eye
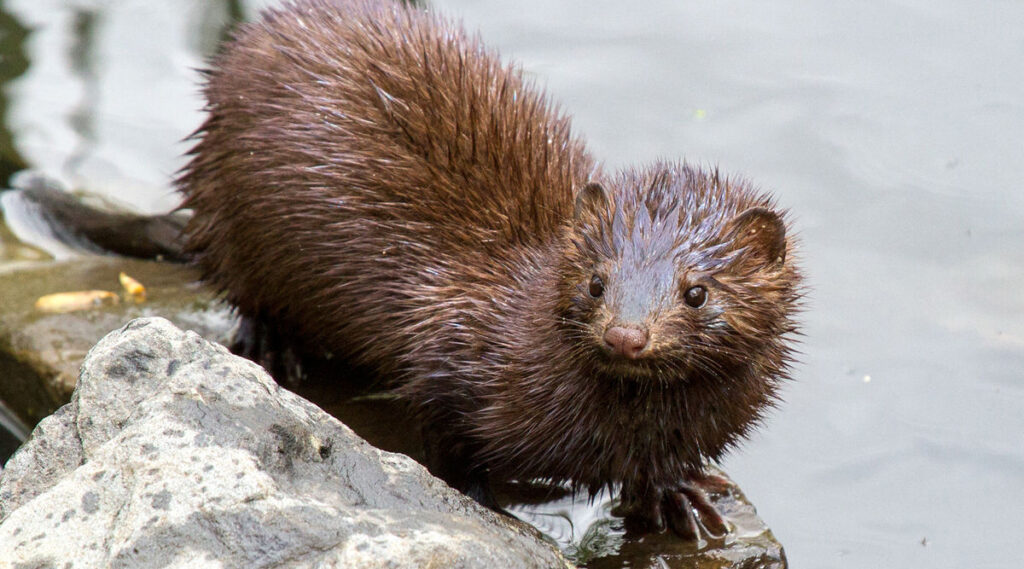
696,296
596,286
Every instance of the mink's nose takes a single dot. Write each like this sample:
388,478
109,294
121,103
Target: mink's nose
628,342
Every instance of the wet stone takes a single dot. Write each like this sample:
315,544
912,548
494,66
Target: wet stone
357,507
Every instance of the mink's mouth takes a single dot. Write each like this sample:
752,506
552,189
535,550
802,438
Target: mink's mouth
626,368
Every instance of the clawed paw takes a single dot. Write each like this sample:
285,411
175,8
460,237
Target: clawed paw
684,509
259,340
688,506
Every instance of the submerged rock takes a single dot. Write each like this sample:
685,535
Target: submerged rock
173,452
41,353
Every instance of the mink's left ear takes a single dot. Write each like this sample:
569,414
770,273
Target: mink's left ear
762,235
592,199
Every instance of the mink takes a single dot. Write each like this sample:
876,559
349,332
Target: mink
373,181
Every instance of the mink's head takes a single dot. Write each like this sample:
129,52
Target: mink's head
672,273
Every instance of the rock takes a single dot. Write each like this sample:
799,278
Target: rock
40,353
45,213
174,453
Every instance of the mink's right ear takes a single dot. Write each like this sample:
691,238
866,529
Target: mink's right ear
592,199
761,234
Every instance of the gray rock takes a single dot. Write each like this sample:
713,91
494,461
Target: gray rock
175,453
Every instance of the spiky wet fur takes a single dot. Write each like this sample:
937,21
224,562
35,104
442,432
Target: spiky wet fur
376,183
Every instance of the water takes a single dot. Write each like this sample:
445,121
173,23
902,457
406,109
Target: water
893,130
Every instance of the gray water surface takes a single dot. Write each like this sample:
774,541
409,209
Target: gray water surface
894,131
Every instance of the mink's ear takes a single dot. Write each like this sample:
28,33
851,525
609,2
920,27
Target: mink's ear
591,199
762,235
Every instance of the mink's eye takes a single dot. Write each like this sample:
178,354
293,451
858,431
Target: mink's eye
696,296
596,286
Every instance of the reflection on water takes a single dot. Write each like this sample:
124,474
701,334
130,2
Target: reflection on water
891,129
112,91
12,64
12,432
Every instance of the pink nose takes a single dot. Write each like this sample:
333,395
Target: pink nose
628,342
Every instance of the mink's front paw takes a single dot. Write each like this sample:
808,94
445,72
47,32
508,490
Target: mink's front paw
685,509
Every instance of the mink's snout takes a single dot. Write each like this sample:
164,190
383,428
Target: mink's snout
626,341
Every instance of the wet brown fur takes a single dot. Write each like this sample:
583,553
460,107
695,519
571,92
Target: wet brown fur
377,183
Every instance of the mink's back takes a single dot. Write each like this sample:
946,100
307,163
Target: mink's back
363,161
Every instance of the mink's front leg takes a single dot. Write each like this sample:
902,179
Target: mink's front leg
261,340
